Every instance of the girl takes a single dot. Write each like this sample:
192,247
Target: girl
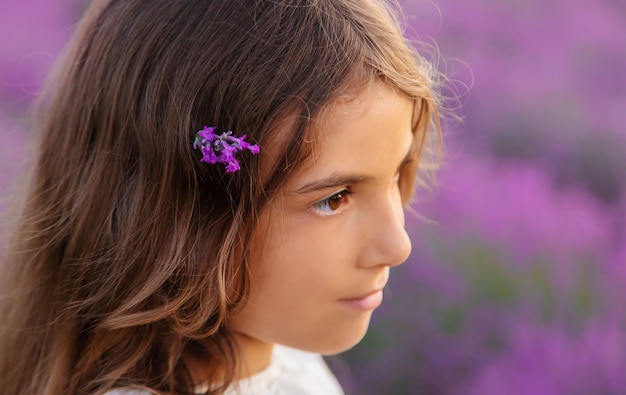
161,251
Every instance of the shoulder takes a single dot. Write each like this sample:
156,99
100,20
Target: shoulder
293,361
292,372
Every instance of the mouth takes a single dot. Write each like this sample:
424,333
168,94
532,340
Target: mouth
366,302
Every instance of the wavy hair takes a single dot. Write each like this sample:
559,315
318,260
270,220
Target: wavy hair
130,254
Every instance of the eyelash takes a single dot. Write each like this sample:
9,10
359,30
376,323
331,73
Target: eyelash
323,206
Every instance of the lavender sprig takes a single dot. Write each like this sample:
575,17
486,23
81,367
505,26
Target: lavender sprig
221,148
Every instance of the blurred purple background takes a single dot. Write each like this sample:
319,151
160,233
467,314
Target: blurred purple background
519,287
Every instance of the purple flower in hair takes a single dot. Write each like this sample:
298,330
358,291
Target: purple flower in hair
221,148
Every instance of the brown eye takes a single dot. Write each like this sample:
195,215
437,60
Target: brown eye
332,203
335,201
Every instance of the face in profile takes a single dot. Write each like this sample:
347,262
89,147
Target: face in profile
323,248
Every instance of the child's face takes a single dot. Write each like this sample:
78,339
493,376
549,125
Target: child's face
324,247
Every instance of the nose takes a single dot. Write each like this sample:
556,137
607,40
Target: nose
387,240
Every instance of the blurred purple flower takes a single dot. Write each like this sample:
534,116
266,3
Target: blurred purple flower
547,80
516,206
557,361
33,31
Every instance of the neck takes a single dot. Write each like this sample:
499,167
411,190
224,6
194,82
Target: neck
253,356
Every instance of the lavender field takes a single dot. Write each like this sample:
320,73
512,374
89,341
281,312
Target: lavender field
517,280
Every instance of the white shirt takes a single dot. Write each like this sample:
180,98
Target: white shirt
291,372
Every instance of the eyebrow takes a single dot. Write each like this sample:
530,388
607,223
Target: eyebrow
339,180
332,181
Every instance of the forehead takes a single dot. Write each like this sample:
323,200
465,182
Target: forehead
351,119
373,123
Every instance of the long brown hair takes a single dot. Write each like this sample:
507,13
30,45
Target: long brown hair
130,253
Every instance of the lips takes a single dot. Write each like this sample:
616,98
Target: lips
366,302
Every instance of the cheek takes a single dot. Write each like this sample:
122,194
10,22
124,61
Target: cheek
297,261
298,271
269,260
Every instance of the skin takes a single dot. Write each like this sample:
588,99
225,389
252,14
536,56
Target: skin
332,234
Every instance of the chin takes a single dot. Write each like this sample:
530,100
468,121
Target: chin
338,349
341,338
